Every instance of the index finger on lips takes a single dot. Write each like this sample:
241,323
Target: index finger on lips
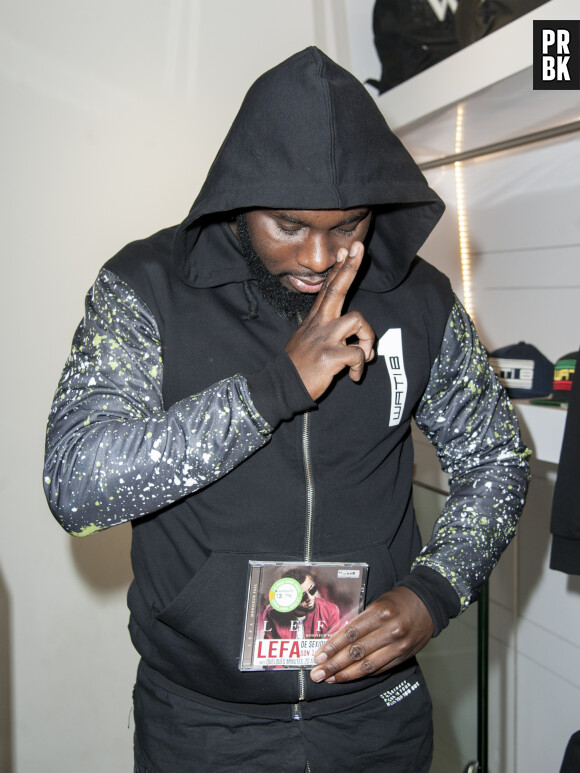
340,258
339,281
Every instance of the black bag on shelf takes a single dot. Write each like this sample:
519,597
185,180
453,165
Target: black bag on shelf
476,18
410,36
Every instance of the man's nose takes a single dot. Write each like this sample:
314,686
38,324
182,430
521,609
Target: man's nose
317,254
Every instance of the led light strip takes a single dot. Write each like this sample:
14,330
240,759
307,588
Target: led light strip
464,251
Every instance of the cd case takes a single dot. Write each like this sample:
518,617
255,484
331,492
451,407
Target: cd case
293,608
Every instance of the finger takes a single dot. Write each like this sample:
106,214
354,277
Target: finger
375,663
356,370
339,282
362,647
362,625
341,256
338,358
355,325
365,335
365,656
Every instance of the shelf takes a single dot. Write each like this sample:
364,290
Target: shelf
505,52
542,429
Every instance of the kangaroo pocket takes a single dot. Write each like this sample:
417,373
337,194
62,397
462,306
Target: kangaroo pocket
210,609
197,638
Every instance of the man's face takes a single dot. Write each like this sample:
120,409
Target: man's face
290,252
309,589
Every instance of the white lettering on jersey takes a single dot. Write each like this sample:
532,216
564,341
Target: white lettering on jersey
391,348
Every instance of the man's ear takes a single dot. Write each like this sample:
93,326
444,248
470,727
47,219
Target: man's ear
232,221
233,224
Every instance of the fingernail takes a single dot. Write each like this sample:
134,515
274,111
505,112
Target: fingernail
317,675
320,658
341,255
353,250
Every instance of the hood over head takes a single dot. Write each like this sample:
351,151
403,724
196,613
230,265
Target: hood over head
308,135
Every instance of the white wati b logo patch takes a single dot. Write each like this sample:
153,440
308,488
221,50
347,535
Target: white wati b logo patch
391,348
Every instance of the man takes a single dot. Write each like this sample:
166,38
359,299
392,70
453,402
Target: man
314,617
242,388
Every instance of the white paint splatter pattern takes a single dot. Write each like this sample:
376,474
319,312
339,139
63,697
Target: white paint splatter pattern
112,452
467,416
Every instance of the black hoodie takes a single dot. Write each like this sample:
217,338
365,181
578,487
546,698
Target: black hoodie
179,410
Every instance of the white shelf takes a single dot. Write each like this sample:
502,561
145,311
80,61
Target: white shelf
542,429
505,52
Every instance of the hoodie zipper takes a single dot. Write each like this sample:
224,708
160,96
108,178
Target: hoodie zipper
309,486
297,714
307,461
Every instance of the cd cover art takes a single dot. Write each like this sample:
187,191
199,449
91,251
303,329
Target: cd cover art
293,608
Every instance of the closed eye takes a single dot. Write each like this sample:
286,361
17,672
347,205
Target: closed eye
289,224
289,228
349,227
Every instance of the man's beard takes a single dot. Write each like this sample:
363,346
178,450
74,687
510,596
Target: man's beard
287,303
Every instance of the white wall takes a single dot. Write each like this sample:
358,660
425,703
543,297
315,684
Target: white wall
111,115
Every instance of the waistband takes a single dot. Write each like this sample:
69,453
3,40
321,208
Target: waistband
284,711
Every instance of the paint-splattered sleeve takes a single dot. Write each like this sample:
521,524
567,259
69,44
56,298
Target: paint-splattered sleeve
467,416
112,452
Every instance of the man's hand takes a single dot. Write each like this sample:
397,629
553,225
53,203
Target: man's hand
319,348
391,630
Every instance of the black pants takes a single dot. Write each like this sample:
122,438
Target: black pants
388,734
